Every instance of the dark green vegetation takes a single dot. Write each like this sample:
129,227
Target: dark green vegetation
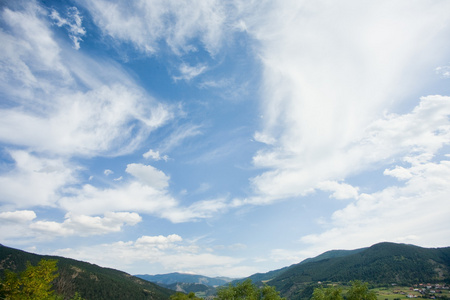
357,291
326,255
89,280
381,264
247,290
33,283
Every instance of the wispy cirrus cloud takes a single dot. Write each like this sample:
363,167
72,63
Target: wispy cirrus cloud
73,24
176,23
188,72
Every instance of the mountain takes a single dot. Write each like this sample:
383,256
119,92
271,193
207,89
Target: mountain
199,289
185,278
89,280
383,263
265,277
332,254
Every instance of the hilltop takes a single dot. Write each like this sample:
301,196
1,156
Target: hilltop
89,280
380,264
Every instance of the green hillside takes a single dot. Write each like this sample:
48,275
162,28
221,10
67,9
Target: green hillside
383,263
265,277
89,280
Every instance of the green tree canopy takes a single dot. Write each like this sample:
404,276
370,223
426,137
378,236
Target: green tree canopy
328,293
360,291
248,291
182,296
35,283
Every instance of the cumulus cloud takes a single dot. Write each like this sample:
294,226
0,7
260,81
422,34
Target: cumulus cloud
423,131
160,253
339,190
18,216
147,192
155,155
72,23
82,225
43,178
396,213
149,175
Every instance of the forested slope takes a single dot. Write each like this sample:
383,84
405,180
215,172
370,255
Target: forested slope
89,280
383,263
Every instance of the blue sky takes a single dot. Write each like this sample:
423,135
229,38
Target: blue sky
222,137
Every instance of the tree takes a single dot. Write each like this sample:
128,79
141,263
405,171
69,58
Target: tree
182,296
360,291
329,293
248,291
33,283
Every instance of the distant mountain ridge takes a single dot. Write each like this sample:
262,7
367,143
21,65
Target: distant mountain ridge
176,277
89,280
382,263
265,277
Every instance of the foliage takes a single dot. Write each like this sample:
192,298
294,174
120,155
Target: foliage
33,283
247,290
328,293
360,291
182,296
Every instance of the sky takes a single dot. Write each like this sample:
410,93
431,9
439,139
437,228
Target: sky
222,138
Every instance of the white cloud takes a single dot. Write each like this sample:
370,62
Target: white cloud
179,135
188,72
82,225
157,253
418,134
149,175
64,102
339,190
43,178
108,172
146,193
146,24
72,23
416,212
330,70
155,155
18,216
202,209
443,71
160,242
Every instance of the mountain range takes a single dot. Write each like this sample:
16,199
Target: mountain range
380,264
185,278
